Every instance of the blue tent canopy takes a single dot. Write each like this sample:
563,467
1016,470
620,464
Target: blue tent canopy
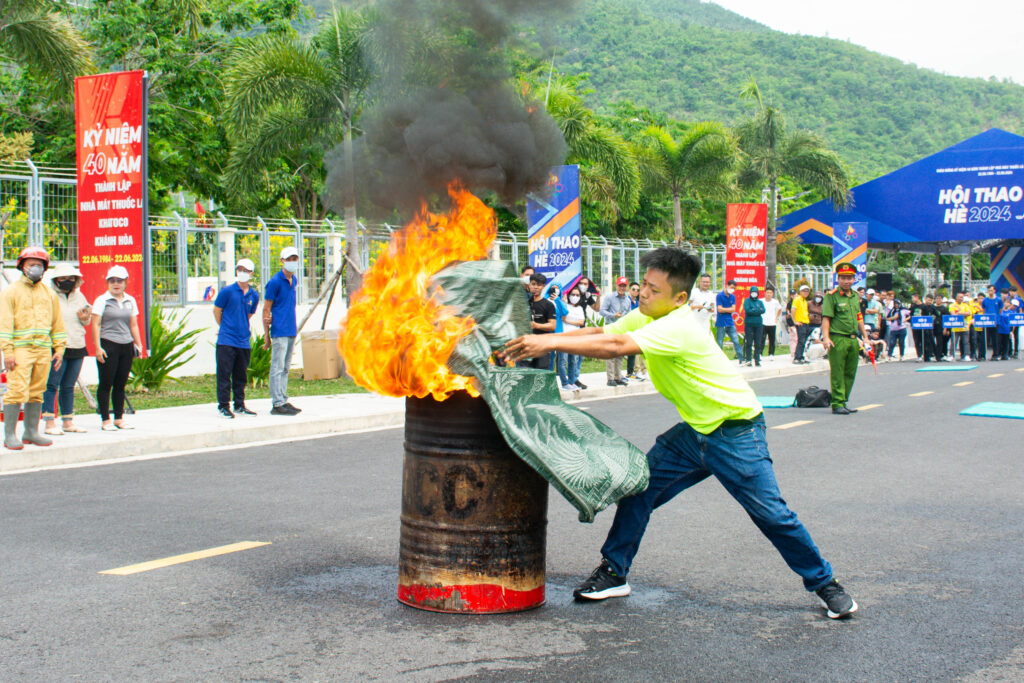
967,193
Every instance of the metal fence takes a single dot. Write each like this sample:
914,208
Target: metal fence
192,257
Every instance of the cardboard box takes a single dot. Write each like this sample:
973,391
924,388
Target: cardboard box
320,358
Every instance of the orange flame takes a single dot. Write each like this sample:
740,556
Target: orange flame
398,337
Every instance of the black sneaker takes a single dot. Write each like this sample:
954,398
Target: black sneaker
242,410
837,600
226,414
602,584
580,384
840,410
282,409
622,382
293,408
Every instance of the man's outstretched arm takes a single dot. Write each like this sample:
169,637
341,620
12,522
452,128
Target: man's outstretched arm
581,342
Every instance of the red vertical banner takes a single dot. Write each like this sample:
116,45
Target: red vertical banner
746,230
111,135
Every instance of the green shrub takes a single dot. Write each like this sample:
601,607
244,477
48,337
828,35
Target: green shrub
168,347
258,372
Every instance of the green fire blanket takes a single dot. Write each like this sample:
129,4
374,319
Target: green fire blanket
581,457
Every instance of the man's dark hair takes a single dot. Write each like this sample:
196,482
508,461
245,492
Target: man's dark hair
1004,290
526,268
681,266
539,278
770,289
731,282
704,275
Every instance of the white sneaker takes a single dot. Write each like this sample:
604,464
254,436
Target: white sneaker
570,387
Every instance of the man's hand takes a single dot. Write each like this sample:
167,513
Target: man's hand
57,360
827,343
9,362
529,346
101,355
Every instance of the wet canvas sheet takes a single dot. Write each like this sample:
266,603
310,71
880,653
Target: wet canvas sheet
584,459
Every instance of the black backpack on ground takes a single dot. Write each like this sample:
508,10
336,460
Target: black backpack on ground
813,397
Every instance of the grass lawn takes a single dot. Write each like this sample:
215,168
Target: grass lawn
203,388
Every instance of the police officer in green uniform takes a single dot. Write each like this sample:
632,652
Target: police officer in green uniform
841,318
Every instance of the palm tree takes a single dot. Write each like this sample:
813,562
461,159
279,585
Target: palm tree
699,164
770,151
609,175
292,99
43,42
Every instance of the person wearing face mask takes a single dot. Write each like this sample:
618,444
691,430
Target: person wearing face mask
32,337
60,387
725,304
814,310
753,326
232,309
115,330
524,275
554,292
281,329
578,315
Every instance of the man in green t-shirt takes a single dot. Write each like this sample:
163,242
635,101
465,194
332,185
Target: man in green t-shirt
722,432
841,319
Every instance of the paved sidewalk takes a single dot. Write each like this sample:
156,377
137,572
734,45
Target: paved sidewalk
198,427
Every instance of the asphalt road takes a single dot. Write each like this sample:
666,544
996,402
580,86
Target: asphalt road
920,510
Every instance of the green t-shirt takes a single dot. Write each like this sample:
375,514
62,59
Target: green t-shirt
843,310
687,367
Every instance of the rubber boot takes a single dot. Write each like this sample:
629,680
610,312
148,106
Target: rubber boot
11,411
32,435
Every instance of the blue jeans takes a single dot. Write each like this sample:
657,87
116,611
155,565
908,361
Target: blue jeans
720,333
64,380
280,360
573,363
738,457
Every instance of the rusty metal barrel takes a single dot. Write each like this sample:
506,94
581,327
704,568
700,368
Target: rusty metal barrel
474,515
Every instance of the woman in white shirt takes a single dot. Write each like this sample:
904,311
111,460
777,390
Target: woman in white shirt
579,315
115,330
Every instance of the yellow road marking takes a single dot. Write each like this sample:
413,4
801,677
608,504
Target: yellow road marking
870,406
923,393
187,557
790,425
1019,370
998,374
962,384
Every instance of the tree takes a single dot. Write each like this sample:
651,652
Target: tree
290,99
699,165
609,175
43,42
770,151
184,46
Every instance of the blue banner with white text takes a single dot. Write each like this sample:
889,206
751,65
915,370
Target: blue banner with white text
555,229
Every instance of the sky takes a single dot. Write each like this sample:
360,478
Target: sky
980,38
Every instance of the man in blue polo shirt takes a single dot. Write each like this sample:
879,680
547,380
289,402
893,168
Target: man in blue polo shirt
279,321
232,309
724,323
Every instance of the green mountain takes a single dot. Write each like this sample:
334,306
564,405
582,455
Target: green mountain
689,59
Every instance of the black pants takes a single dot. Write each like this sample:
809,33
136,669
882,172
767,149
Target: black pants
232,371
113,375
928,343
1003,349
769,338
918,338
1015,338
991,338
752,341
802,333
978,334
542,363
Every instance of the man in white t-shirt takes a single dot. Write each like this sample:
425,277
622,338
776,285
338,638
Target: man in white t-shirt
770,318
702,301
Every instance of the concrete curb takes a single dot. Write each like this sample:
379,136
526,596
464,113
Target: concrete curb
199,427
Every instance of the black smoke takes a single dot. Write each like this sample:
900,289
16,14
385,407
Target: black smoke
446,110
